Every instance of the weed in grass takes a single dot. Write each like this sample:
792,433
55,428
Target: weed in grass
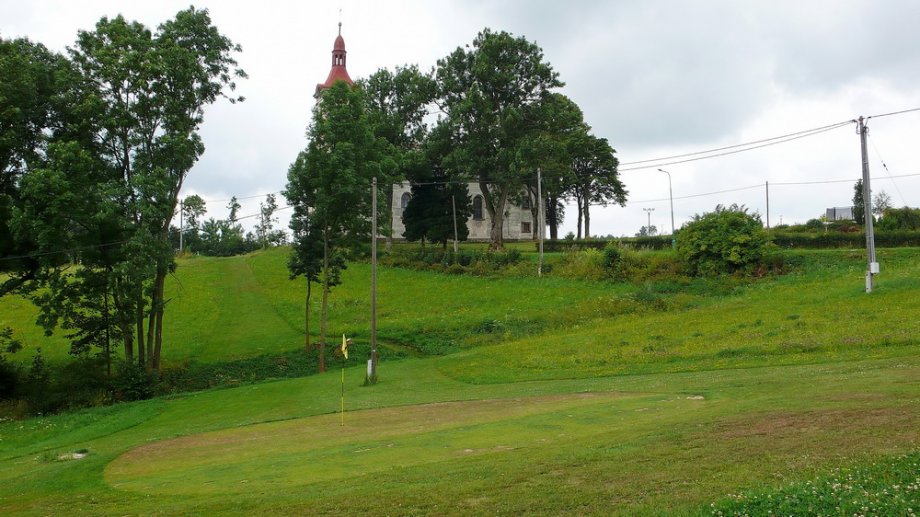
887,487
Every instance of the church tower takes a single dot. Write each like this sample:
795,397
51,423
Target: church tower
338,72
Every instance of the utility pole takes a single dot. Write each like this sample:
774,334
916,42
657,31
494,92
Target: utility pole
540,224
867,209
372,364
648,227
181,229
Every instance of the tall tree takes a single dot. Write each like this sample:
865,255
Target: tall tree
330,182
554,123
859,204
397,104
193,209
151,90
484,91
436,202
596,180
266,235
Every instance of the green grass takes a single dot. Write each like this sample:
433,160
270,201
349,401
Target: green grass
560,397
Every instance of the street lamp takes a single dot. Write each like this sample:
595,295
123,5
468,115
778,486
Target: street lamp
671,195
648,227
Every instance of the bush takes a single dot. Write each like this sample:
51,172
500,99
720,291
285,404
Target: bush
727,240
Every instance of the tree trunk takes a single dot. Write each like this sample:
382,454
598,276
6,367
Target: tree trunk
552,217
160,303
580,216
124,325
139,322
496,210
587,218
322,329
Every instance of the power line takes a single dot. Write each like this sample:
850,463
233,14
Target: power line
893,113
58,252
782,140
830,126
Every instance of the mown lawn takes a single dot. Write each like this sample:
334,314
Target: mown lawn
559,397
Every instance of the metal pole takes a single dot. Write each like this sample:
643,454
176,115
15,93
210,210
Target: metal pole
648,227
867,209
181,227
671,196
373,375
540,224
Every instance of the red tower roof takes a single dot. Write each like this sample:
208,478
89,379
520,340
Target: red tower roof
338,72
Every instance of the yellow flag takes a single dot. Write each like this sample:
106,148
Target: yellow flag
344,346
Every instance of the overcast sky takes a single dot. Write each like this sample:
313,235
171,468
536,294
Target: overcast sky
656,78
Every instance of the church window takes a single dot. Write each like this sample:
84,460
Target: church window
404,202
525,204
477,208
525,227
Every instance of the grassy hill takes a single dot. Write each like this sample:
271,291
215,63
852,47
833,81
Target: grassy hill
526,395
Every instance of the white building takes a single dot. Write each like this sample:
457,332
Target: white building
518,223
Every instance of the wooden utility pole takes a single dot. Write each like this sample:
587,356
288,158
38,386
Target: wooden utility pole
867,209
540,225
372,369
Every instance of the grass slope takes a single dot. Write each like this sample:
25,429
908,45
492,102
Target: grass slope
564,397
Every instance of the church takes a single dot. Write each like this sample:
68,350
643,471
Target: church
518,222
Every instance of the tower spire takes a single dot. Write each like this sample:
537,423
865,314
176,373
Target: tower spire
338,71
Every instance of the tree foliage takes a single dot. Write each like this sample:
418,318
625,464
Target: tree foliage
329,186
726,240
485,90
100,183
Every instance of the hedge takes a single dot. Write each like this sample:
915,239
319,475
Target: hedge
890,239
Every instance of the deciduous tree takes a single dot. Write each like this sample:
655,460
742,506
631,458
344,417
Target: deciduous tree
484,91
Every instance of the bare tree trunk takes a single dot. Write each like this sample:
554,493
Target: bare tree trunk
580,216
587,218
160,304
124,325
586,199
496,210
552,217
139,321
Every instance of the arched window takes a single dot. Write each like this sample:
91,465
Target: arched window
477,208
404,202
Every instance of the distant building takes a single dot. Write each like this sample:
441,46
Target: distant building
839,213
518,223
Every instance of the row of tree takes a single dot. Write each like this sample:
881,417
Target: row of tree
225,237
94,147
489,113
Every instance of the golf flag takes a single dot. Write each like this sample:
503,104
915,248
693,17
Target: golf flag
344,346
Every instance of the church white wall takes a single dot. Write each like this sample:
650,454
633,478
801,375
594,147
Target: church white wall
513,229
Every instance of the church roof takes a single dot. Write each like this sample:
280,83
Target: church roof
338,72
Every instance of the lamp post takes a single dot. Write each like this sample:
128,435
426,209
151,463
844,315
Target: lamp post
671,196
648,227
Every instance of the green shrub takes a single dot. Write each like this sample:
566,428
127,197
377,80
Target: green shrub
727,240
